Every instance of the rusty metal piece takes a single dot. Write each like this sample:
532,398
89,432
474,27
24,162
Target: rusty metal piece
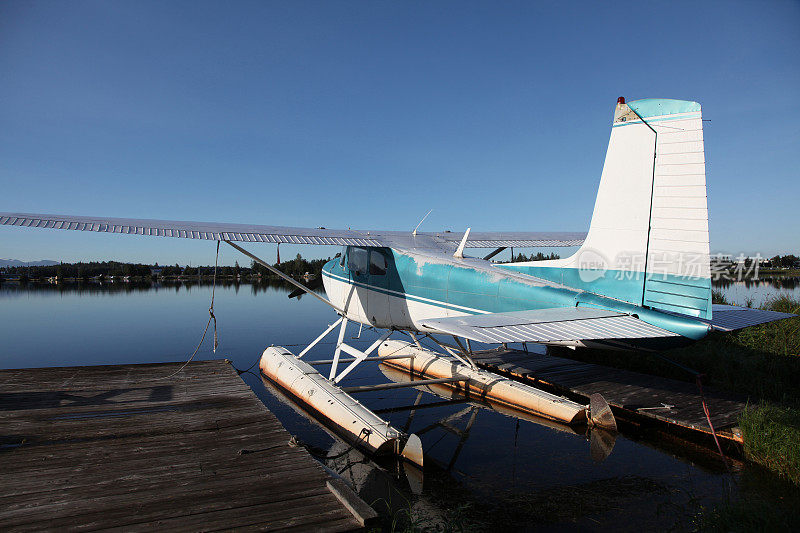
413,450
601,442
600,414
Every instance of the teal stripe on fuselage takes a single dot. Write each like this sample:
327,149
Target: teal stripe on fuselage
407,296
469,289
682,294
486,289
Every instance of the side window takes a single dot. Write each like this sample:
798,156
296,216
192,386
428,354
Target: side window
357,260
377,263
343,254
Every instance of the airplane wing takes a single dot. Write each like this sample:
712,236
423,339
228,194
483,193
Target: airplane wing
731,317
498,239
548,325
282,234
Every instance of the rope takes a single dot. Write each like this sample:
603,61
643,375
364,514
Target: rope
240,372
699,382
366,432
210,318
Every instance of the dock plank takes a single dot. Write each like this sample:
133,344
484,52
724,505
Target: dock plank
630,392
122,447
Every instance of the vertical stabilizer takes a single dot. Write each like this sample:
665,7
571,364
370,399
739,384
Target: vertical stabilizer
678,276
648,239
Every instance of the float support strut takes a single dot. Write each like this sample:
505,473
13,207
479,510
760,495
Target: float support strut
359,355
338,351
324,334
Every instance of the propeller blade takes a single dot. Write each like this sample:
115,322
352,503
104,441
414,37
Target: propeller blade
297,292
315,284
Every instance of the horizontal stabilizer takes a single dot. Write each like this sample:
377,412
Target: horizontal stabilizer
548,325
731,317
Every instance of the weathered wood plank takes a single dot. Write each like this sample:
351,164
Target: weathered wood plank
136,474
629,391
119,446
260,517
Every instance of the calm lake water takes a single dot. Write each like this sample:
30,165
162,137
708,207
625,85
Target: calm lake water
503,472
758,292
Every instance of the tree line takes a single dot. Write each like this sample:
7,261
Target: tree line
295,268
784,261
538,256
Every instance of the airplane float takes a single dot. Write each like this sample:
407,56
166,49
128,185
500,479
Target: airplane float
640,279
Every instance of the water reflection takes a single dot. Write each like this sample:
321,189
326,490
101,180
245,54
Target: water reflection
95,286
601,441
758,292
738,292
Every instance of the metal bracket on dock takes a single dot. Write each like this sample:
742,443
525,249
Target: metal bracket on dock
663,406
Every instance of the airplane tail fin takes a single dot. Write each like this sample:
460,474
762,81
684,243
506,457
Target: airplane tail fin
648,239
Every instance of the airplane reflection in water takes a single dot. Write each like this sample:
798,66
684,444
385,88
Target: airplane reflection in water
394,483
601,441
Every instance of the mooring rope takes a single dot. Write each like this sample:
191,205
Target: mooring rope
699,380
321,455
698,376
211,318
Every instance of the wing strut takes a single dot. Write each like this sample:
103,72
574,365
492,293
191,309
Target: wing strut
285,277
497,251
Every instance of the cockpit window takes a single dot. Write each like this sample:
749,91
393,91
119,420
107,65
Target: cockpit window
343,254
357,260
377,263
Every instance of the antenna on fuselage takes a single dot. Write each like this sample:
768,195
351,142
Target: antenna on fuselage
460,251
421,221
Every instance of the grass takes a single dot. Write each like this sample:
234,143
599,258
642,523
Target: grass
767,367
772,438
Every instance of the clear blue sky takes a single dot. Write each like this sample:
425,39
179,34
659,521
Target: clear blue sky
367,114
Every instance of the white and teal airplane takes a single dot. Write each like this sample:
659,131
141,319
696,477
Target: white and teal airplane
639,280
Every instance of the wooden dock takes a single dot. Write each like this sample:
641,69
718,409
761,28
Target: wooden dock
633,396
127,447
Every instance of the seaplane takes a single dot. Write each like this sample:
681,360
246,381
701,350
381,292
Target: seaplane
640,279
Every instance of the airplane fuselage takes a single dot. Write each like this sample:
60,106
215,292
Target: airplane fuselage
390,288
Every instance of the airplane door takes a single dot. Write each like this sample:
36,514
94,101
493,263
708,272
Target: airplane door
357,296
378,298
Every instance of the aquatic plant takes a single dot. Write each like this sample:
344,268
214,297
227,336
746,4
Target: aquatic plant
718,297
